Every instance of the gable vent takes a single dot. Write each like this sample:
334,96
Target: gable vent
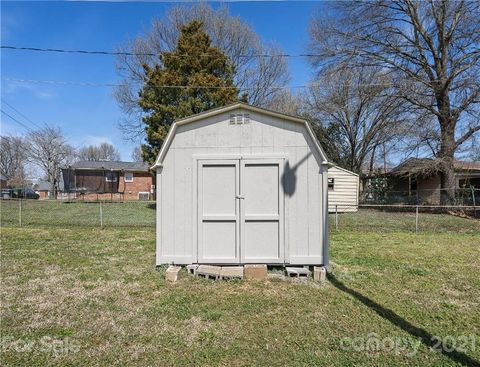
239,118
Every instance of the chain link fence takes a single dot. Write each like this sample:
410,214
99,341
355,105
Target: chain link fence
67,214
468,196
405,218
371,217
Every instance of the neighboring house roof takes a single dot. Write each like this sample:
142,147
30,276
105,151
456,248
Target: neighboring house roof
416,166
467,165
111,165
228,108
2,177
429,166
42,186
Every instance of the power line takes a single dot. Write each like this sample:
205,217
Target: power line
126,53
88,52
21,114
88,84
60,82
18,122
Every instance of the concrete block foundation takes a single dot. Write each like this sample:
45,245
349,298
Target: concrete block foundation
231,272
297,272
208,271
172,273
255,272
192,269
319,274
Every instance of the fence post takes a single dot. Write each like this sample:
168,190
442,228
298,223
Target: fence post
336,217
473,201
416,219
101,215
20,212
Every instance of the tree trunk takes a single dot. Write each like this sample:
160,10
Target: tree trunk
372,161
446,155
447,182
447,145
52,189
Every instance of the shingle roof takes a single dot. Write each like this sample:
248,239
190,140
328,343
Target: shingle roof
417,166
467,165
42,186
111,165
429,166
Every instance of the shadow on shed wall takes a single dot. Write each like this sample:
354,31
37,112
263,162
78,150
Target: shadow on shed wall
289,176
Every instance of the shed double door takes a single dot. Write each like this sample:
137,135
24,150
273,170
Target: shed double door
240,211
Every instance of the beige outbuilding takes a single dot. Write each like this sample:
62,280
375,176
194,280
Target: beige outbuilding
343,186
242,185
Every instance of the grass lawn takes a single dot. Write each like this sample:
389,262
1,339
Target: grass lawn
94,295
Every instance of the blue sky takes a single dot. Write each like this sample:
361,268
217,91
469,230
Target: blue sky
90,115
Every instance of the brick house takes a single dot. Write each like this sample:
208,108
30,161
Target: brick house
42,188
3,182
108,180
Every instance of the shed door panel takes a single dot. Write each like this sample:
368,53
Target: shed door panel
218,230
261,212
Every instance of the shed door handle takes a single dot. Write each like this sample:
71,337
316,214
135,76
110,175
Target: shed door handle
239,197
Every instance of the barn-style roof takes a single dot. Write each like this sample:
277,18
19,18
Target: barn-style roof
111,165
234,106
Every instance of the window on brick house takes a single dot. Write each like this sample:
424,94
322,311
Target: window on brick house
413,184
128,176
111,176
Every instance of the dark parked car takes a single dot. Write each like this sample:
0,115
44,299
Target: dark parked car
19,194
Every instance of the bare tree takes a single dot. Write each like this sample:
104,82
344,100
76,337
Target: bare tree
48,149
431,49
475,154
255,73
299,105
288,103
137,154
13,159
103,152
361,106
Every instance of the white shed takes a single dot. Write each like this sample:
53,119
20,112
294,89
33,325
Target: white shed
241,184
342,190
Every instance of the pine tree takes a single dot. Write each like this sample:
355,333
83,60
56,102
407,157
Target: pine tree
194,63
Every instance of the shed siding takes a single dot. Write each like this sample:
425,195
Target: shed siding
345,193
177,218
